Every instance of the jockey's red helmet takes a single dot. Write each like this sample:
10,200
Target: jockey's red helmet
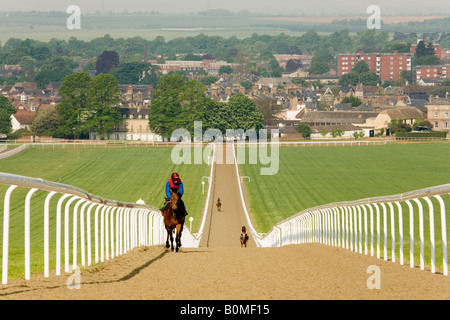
175,176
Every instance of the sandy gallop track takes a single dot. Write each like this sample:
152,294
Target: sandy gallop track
221,270
289,273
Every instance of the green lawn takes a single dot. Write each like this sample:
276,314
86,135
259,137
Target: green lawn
312,176
124,174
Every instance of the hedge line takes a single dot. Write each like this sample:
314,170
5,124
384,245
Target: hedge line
433,134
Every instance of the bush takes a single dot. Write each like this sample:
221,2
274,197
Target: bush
432,134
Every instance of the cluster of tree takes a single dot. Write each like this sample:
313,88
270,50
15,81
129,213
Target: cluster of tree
425,54
87,105
51,61
360,74
6,111
178,104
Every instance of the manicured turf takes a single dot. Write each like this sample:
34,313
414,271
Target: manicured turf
313,176
124,174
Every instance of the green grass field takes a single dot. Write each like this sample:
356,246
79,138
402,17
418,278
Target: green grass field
116,174
313,176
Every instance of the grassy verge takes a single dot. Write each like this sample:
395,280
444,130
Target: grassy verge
312,176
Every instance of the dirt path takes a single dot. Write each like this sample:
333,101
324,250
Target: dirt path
221,270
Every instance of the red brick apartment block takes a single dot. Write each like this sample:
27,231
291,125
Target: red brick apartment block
387,65
432,72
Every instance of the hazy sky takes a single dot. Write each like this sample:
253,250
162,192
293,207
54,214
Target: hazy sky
314,7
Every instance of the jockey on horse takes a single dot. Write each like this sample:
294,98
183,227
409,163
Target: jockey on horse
174,184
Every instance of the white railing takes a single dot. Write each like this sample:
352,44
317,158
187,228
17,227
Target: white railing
116,229
356,225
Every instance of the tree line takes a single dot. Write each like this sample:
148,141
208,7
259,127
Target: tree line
51,61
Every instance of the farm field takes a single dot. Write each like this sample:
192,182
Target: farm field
116,174
126,26
313,176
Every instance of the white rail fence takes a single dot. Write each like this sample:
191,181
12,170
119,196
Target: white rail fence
357,226
108,228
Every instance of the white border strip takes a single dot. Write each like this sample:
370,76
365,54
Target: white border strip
208,197
255,234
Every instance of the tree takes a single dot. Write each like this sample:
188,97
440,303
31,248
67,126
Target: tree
104,99
54,71
137,73
176,104
323,132
46,122
423,50
6,110
337,133
293,65
353,78
74,102
319,63
361,67
353,100
304,129
225,70
107,61
192,57
358,134
243,113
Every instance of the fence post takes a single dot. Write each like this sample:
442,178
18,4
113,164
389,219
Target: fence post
58,233
6,208
422,255
400,230
391,209
75,233
47,234
66,234
411,233
384,231
431,215
27,231
444,236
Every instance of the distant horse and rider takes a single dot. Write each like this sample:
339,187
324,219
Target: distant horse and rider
244,237
219,205
174,211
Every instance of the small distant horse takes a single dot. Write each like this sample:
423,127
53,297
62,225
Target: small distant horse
219,205
244,237
174,219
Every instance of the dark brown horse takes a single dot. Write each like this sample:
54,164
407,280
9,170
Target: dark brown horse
174,219
219,205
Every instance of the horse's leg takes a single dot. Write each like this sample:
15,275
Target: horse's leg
178,237
168,235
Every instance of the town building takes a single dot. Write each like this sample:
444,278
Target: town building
386,65
438,111
438,73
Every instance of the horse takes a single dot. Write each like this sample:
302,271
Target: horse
173,219
219,205
244,237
